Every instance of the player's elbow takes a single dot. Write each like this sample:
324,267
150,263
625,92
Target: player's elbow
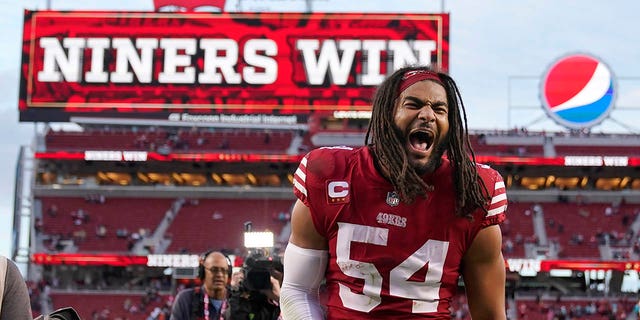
299,303
489,314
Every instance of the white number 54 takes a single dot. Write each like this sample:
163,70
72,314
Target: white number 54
425,295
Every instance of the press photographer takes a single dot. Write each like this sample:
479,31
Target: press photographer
255,290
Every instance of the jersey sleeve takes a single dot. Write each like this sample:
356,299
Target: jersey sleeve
497,207
307,186
315,171
300,181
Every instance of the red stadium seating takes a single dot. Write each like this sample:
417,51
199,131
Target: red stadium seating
229,140
218,223
572,308
597,150
588,219
563,221
518,228
107,305
115,213
480,147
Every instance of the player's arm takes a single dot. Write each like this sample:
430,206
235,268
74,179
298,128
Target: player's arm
483,271
305,262
303,231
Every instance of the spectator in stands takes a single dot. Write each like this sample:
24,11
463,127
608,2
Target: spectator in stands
608,211
141,141
126,305
267,137
577,238
79,217
217,216
224,145
164,149
537,209
53,210
143,232
636,310
508,246
211,299
101,231
122,232
519,238
14,296
625,220
79,235
38,225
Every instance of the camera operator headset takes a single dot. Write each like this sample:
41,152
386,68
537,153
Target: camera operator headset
256,294
210,300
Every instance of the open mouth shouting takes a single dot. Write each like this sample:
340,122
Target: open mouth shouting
421,141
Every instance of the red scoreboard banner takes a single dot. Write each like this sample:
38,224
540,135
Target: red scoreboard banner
166,65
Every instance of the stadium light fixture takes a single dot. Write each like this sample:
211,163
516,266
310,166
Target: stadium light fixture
258,239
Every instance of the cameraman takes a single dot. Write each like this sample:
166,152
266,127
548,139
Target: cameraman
255,291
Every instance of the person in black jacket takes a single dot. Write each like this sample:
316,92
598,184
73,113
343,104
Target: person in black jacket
257,298
14,295
210,300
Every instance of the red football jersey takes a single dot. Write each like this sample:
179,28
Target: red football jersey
387,259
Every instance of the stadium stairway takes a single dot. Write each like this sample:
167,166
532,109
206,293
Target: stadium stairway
141,215
635,226
539,227
588,220
158,241
296,143
218,223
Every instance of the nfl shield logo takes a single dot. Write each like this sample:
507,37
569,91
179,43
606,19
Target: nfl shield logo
393,199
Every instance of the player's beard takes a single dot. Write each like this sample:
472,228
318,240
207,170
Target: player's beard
435,157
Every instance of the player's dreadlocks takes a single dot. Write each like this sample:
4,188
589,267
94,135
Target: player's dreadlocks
392,157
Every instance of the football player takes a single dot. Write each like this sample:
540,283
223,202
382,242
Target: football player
391,226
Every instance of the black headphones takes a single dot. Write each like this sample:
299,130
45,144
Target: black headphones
203,257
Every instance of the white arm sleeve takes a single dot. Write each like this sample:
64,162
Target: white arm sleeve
303,272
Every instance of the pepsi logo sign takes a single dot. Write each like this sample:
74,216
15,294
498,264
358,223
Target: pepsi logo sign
578,91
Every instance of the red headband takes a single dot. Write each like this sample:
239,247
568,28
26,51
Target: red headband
411,77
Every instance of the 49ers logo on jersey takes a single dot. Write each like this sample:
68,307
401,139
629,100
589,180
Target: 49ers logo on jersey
337,192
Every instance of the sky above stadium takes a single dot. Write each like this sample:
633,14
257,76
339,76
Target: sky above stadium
499,51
